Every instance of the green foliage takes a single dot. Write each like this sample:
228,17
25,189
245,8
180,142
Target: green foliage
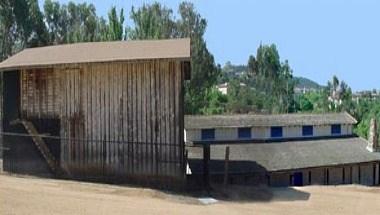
369,109
304,104
80,21
230,72
272,78
21,26
216,102
240,97
115,26
152,22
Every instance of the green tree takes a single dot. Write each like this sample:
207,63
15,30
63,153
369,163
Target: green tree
272,78
372,111
304,104
81,20
8,28
152,22
22,26
216,102
56,19
241,98
73,23
115,28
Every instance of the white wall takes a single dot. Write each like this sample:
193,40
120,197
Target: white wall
264,132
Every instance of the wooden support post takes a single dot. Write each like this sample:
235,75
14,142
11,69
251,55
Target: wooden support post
185,162
227,158
206,170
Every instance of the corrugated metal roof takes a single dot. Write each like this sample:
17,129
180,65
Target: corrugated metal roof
99,52
249,120
286,155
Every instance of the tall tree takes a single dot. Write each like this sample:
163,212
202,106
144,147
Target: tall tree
8,28
22,26
152,22
269,76
204,71
56,21
81,19
115,25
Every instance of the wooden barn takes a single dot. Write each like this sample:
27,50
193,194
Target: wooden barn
105,111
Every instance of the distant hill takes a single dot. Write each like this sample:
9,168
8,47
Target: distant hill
235,71
230,71
302,82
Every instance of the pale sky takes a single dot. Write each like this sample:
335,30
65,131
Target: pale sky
320,38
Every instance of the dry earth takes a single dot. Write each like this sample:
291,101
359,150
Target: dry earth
27,195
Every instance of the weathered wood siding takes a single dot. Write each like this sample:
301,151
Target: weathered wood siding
40,93
117,119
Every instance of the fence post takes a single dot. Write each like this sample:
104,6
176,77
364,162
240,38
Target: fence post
227,158
206,171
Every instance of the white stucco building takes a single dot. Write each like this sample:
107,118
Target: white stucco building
238,128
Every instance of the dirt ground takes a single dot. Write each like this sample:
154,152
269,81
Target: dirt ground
26,195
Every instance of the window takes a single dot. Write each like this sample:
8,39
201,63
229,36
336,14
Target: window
244,133
208,134
276,131
307,130
335,129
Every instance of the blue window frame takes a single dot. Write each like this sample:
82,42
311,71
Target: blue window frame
336,129
208,134
244,133
276,131
307,130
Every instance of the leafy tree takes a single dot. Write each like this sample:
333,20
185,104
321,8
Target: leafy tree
271,77
8,28
304,104
216,102
73,23
373,111
241,98
152,22
340,96
230,72
115,28
56,18
81,19
22,25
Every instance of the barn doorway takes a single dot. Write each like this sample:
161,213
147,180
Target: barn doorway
298,179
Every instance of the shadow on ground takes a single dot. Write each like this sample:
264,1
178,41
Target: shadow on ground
258,194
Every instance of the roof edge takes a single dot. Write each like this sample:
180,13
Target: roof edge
50,65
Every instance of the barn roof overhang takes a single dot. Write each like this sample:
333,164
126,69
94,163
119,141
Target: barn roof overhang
96,52
285,156
267,120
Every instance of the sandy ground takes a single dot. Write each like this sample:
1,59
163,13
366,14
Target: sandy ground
26,195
